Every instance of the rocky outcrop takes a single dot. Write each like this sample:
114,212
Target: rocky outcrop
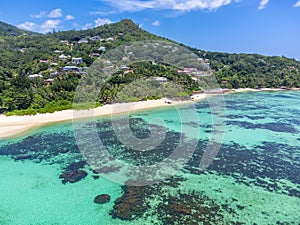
73,176
101,199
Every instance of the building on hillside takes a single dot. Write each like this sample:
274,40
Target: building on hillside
124,67
95,54
128,71
95,38
49,80
54,74
83,40
160,79
70,68
62,56
110,39
102,48
35,76
77,60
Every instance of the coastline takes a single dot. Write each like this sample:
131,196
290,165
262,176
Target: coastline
14,126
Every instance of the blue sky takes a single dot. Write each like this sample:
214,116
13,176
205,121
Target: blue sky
269,27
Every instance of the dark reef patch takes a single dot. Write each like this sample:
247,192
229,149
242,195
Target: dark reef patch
263,166
72,176
179,208
101,199
276,127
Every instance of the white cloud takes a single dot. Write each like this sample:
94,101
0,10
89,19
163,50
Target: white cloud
103,13
156,23
178,5
28,26
87,26
55,13
297,4
69,17
263,4
43,14
45,27
100,21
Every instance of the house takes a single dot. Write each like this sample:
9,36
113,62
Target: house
95,54
62,56
181,71
77,60
95,38
102,48
57,51
35,76
128,71
83,40
160,79
49,80
70,68
54,74
43,61
123,67
190,70
110,39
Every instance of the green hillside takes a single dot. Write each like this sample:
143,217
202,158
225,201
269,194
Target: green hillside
35,75
9,30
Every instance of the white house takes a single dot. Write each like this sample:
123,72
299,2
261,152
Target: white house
77,60
110,39
160,79
62,56
95,38
102,48
35,76
83,40
124,67
70,68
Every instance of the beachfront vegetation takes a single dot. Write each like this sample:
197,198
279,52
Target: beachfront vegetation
36,77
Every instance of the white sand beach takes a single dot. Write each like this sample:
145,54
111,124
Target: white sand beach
16,125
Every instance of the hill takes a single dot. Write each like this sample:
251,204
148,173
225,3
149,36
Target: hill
35,72
10,30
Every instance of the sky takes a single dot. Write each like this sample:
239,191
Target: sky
269,27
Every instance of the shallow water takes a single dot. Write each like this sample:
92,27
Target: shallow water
254,179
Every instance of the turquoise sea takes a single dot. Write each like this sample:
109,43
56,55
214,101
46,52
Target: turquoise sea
253,179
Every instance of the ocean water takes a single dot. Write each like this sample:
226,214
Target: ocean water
253,177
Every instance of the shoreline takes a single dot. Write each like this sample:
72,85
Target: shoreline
16,126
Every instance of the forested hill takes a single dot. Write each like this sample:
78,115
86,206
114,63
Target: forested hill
253,70
9,30
39,73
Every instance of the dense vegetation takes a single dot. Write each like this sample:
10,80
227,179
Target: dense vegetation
26,53
253,70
